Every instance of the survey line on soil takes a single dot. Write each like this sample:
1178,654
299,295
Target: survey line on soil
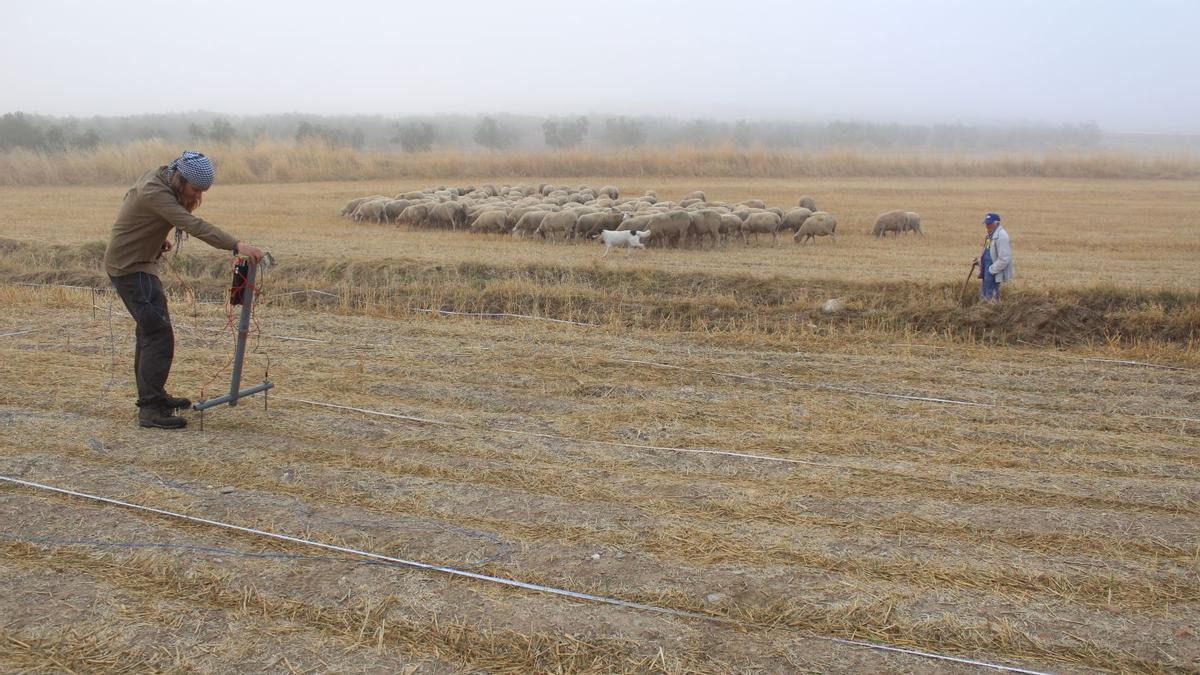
513,583
924,399
1123,362
446,312
537,434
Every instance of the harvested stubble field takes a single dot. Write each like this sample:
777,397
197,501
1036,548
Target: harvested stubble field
1052,526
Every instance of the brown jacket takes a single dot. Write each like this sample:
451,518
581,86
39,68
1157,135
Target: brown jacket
151,208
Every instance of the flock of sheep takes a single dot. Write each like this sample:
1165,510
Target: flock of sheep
555,212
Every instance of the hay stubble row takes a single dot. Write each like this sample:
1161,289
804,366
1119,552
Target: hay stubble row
1054,527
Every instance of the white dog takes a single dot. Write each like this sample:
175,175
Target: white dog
628,238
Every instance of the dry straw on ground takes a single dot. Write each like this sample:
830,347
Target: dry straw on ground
269,161
1054,527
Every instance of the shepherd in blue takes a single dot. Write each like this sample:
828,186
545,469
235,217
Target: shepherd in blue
995,265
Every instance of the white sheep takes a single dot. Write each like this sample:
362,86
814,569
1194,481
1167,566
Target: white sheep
627,238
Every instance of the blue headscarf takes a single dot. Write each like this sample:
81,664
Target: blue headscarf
196,168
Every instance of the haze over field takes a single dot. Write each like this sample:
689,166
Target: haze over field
1128,66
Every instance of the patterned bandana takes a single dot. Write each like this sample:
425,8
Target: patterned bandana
196,168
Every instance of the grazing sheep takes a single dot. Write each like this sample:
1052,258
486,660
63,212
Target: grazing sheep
627,238
792,220
490,222
353,204
414,215
730,224
705,222
914,223
897,222
555,224
753,203
758,223
452,215
635,222
611,191
528,223
394,207
696,194
591,224
371,210
670,227
808,203
819,224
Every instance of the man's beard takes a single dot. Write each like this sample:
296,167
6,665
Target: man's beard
191,205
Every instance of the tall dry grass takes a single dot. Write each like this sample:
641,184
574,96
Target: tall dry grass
276,161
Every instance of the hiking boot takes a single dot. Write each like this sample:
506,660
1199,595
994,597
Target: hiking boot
159,417
176,402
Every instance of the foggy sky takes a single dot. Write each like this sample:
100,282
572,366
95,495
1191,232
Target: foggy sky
1130,66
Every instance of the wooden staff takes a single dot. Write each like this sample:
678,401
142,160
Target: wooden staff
962,296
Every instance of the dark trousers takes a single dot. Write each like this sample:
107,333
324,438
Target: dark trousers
154,348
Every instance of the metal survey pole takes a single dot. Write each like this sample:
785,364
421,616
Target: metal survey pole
240,352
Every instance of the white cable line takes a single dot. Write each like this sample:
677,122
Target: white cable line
1124,362
927,399
864,392
503,314
504,430
20,332
508,582
310,290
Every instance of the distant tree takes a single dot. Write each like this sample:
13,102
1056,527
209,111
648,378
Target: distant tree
88,140
17,130
197,132
306,131
491,135
55,138
221,131
415,136
566,133
624,131
741,134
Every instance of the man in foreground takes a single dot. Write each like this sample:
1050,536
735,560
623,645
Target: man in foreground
995,265
161,199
